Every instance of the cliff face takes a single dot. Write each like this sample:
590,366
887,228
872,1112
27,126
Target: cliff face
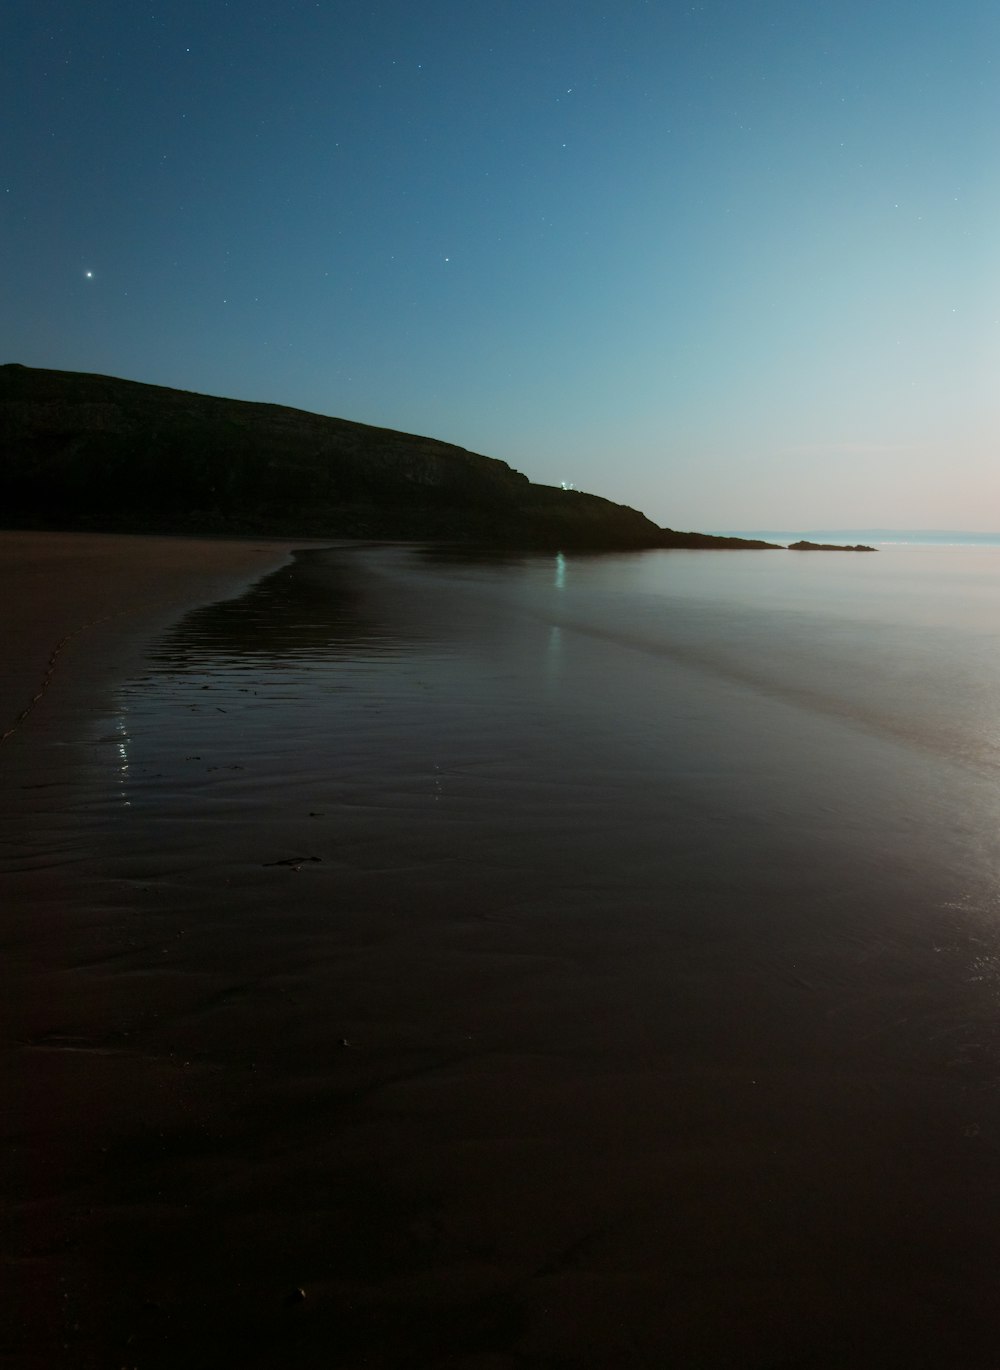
79,450
85,451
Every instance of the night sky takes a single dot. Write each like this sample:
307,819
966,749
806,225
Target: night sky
735,263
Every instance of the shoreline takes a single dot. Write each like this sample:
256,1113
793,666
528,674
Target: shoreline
81,607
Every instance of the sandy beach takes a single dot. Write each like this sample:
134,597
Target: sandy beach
395,976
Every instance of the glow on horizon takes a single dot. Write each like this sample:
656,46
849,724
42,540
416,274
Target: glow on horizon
734,266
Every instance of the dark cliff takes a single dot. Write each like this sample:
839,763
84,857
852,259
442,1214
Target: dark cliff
87,451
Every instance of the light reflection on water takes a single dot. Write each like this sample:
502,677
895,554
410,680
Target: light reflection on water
123,757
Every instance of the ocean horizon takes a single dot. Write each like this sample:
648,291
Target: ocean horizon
931,537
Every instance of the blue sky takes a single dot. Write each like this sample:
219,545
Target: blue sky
735,263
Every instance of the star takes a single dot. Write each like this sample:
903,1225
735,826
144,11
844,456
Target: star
89,275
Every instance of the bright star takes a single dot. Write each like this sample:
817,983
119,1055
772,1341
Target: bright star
89,275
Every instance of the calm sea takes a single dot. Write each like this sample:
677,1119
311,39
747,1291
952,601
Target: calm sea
913,537
694,856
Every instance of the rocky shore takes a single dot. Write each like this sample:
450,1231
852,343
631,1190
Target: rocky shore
828,547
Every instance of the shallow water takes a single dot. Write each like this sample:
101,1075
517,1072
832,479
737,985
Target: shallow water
641,715
656,897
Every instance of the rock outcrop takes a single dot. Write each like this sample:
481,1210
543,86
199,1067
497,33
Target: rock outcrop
88,451
828,547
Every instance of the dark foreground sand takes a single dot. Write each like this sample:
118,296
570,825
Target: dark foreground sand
513,1075
76,611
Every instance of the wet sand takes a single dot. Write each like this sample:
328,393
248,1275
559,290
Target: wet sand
76,612
375,999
